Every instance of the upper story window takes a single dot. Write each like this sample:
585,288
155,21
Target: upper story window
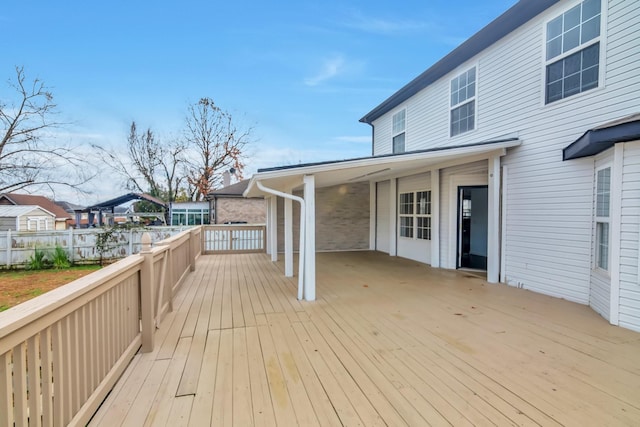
398,131
573,51
463,102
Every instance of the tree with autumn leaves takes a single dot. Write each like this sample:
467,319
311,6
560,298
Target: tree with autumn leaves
217,144
187,167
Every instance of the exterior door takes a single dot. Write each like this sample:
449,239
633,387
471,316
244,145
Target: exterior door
473,203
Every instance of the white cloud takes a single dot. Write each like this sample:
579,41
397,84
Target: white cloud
331,68
370,24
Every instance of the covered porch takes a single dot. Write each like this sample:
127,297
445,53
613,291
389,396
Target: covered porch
404,204
389,341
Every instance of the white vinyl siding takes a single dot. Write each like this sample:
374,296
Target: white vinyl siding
629,306
549,217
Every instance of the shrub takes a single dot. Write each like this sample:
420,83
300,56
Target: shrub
60,258
38,260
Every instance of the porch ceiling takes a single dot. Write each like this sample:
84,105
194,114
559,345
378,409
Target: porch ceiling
375,168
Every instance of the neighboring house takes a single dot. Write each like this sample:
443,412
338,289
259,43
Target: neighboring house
26,218
61,216
190,213
230,206
518,153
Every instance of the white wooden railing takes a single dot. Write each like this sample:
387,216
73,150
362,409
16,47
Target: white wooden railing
62,352
234,239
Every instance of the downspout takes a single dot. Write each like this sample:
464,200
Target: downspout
302,232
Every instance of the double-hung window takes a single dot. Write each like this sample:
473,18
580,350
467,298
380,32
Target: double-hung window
415,215
463,102
603,202
573,51
398,131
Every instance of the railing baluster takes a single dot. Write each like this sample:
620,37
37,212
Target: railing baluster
20,384
58,374
47,378
34,378
6,391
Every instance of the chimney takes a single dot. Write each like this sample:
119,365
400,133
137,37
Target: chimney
226,179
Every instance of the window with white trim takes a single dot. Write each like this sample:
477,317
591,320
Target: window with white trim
37,223
463,102
603,202
573,51
398,131
415,215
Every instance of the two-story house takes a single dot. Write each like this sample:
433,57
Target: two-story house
518,153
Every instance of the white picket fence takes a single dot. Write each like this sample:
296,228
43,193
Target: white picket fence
80,244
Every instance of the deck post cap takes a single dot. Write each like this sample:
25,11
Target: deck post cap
146,242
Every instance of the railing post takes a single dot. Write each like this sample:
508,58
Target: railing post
9,243
146,295
193,249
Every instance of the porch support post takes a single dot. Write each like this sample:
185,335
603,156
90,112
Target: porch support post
493,226
393,217
435,218
273,228
616,227
310,238
288,237
372,215
268,231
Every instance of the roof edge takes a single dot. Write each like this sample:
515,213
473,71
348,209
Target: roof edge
516,16
598,139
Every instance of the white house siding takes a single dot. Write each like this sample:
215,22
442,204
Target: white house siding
383,216
7,223
630,240
415,249
548,217
448,241
600,282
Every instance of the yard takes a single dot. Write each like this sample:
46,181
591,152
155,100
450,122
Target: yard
17,286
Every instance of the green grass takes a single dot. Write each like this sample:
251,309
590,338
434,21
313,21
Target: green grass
17,274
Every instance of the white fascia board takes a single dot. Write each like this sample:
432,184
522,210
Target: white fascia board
382,161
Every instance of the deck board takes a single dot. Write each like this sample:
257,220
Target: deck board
388,342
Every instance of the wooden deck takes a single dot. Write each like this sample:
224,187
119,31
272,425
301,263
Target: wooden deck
388,342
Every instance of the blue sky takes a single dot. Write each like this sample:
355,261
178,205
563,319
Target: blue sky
300,73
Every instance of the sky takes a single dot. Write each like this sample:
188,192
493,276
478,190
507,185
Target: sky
299,73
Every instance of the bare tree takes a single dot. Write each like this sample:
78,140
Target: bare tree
28,155
151,166
217,144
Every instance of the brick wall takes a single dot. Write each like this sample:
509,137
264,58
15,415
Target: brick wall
253,211
342,218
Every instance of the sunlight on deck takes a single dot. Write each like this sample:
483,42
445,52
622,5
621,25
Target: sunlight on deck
389,342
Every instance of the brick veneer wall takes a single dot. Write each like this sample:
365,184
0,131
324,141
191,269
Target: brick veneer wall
342,218
253,211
